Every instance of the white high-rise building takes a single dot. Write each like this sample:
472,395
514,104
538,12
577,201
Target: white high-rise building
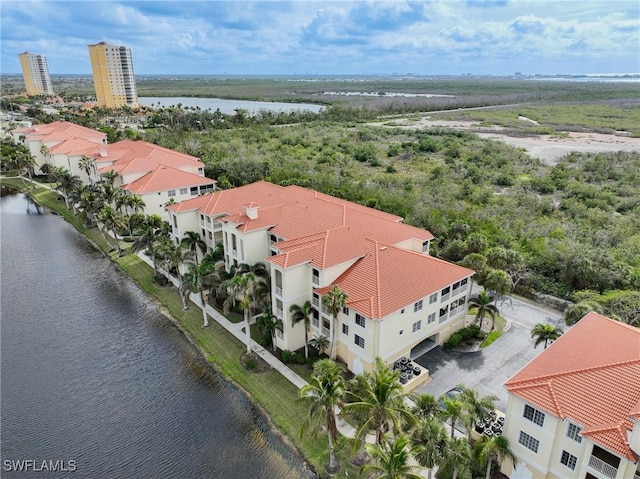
36,74
113,77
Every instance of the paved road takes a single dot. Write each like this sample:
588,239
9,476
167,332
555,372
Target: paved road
487,370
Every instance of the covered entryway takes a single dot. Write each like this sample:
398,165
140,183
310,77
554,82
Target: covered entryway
423,346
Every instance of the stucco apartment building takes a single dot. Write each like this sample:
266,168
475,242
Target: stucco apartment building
35,72
574,411
399,297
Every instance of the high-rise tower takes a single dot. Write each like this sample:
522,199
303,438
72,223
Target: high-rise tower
36,74
113,78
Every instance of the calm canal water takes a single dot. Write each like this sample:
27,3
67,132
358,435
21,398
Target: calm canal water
92,373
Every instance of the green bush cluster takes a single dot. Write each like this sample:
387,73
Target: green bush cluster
465,334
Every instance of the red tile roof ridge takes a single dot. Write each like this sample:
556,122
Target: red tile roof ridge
613,436
603,427
533,381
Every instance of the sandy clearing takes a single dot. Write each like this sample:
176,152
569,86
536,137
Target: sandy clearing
546,148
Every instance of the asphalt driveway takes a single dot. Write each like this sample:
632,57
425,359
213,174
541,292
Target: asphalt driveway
487,370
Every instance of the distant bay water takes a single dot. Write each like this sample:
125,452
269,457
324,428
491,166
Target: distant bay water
227,106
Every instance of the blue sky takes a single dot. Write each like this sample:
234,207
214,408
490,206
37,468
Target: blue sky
444,37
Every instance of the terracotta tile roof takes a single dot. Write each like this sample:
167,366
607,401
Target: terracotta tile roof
594,382
131,156
75,146
387,279
164,178
60,130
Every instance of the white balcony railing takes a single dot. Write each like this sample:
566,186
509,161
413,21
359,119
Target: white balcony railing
601,466
455,292
444,297
315,301
455,311
326,332
279,313
277,290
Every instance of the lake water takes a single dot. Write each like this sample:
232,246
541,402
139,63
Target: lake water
228,106
93,374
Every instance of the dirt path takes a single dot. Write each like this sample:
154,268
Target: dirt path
547,148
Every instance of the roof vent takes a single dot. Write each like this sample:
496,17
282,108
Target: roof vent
382,248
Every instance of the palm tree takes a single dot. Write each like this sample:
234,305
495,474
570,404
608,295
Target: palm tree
545,332
240,288
453,410
268,324
320,343
110,177
483,302
456,453
334,301
85,164
475,408
325,392
148,240
302,313
112,221
496,448
192,241
195,280
66,183
426,406
392,460
380,400
429,440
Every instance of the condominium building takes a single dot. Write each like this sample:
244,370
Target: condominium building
36,74
400,300
113,77
574,411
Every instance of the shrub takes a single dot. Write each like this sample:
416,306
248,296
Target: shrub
286,356
297,358
453,341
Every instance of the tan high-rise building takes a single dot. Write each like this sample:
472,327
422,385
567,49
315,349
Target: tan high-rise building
36,74
113,78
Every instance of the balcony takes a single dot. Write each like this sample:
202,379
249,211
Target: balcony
279,313
601,466
277,290
315,301
326,332
444,297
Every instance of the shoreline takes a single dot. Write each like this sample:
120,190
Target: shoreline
164,309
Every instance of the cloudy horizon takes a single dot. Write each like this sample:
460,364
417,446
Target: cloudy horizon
431,37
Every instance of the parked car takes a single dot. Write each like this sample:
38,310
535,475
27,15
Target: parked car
452,393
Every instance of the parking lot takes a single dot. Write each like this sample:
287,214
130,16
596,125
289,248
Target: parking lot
487,370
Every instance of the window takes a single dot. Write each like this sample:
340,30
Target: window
573,432
359,341
401,332
316,318
431,318
446,291
433,298
359,320
194,191
529,442
464,281
184,191
568,460
345,310
345,328
534,415
315,276
425,246
416,326
417,307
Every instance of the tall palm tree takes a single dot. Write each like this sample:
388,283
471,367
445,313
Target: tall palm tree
240,288
325,392
192,241
545,333
112,222
429,439
195,280
334,300
453,410
456,453
303,313
85,163
380,400
496,448
483,302
148,240
475,408
66,183
392,460
268,323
